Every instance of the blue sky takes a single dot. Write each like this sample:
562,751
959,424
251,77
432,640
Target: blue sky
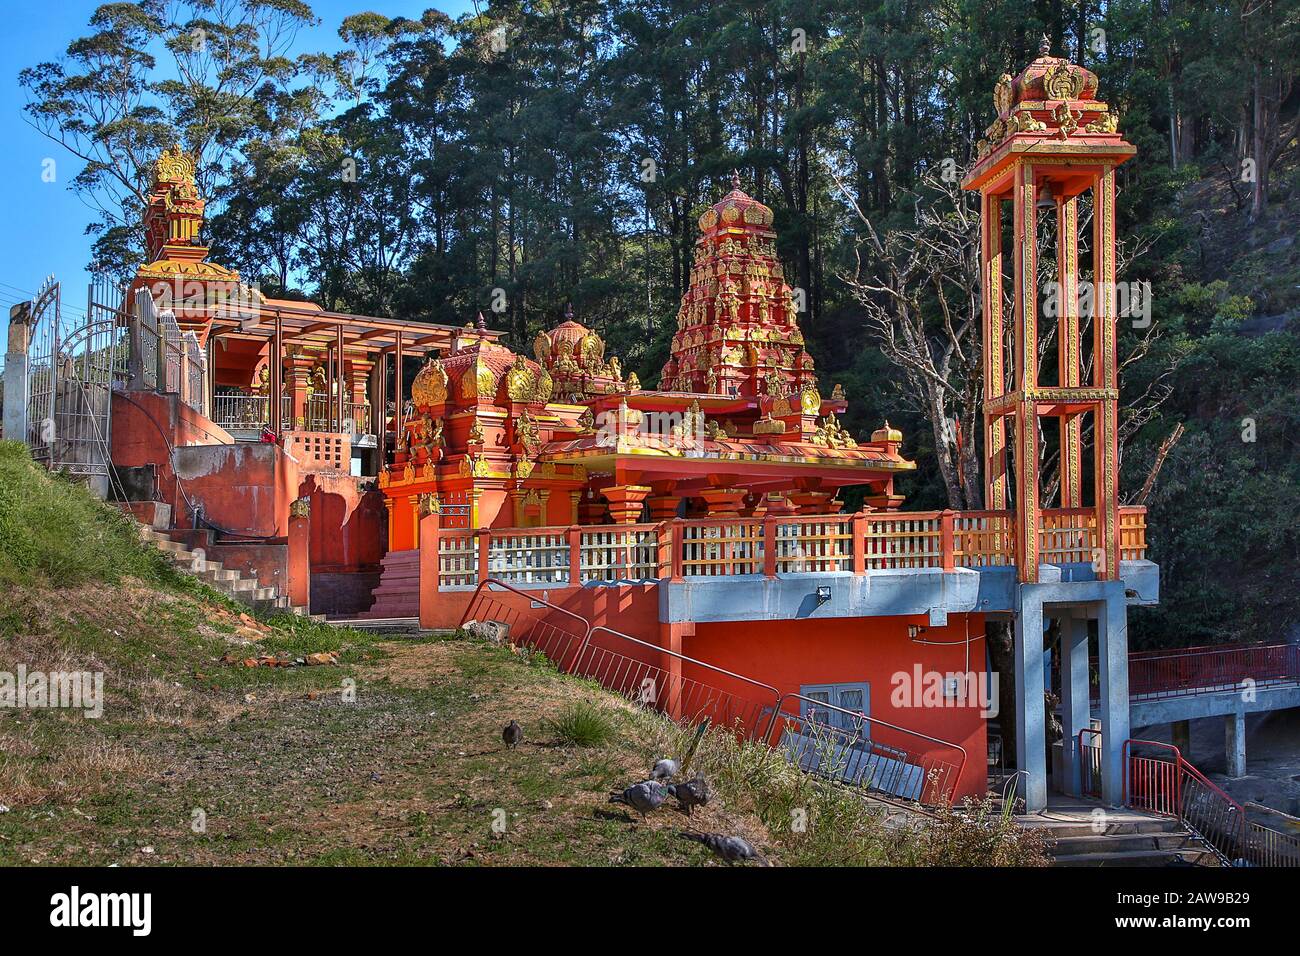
42,224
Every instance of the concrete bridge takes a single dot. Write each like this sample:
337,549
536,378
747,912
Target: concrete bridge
1230,681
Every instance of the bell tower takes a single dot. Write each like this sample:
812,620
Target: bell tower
1052,146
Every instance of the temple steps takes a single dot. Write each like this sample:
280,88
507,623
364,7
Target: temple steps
1121,837
398,594
231,582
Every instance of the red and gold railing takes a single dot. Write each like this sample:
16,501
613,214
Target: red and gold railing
852,543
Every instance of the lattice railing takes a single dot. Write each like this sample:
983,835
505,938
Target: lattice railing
856,543
720,548
457,560
814,544
903,541
525,556
618,553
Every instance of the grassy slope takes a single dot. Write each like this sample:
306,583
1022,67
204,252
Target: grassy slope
286,771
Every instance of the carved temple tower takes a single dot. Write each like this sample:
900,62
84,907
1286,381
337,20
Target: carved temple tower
737,327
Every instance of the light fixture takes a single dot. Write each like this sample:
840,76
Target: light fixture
915,630
823,594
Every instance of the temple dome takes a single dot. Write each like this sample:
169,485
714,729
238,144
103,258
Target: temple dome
574,356
736,209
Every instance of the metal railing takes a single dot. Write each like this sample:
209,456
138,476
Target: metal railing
1186,672
1170,786
853,749
241,412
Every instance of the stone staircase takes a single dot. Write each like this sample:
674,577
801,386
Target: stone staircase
1122,837
234,584
398,594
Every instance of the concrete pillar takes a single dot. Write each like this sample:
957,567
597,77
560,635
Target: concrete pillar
1235,743
1112,663
669,690
1075,706
1031,733
1182,735
15,375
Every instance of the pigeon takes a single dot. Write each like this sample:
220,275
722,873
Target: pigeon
641,797
664,770
693,793
512,734
733,849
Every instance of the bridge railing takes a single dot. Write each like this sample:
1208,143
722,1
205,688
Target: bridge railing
769,546
1182,672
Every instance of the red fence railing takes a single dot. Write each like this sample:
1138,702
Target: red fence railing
1183,671
1166,784
771,545
821,738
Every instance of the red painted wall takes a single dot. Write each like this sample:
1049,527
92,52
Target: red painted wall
349,524
244,488
790,655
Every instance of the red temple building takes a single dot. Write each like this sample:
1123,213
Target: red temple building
694,531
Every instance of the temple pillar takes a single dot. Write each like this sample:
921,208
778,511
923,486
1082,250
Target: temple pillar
299,382
625,502
724,502
778,505
300,552
663,507
591,510
359,370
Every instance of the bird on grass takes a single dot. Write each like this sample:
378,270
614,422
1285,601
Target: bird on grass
667,768
642,797
693,793
664,770
512,734
733,849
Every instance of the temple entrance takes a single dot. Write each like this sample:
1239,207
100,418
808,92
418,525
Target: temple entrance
71,369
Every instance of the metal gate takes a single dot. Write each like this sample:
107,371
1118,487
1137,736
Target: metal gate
72,365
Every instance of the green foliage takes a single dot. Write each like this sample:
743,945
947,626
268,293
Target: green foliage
428,163
581,724
54,530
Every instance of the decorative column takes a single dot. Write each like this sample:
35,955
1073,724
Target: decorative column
995,427
625,502
1067,346
299,382
663,502
815,502
359,373
1106,378
1028,509
300,553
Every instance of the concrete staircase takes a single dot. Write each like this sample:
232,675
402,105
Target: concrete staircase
234,584
398,594
1121,837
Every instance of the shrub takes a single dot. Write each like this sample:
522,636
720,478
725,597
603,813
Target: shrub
581,724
